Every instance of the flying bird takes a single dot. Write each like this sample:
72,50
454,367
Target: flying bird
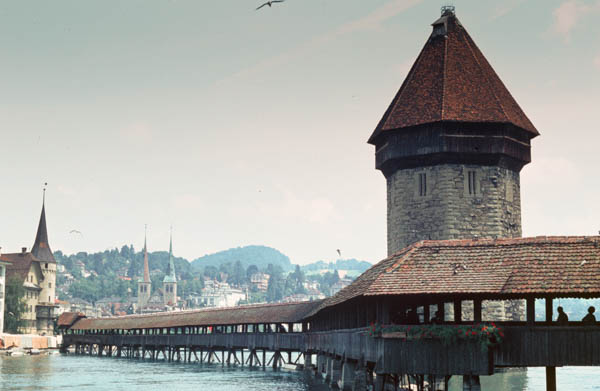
339,252
74,231
270,3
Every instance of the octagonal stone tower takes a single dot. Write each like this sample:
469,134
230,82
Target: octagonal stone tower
451,145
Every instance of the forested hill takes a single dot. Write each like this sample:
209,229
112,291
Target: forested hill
260,256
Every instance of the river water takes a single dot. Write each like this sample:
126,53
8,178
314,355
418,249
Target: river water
84,373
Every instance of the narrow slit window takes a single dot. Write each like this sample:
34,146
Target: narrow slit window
422,185
472,183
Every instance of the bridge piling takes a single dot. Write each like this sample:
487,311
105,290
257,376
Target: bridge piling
471,383
348,373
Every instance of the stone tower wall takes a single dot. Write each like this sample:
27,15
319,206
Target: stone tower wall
448,210
143,295
170,293
48,292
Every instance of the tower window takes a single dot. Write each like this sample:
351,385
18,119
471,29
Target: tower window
472,184
422,184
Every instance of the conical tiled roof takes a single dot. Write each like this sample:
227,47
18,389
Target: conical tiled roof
451,81
170,276
41,249
146,267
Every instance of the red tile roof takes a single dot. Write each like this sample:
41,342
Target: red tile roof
563,266
66,319
250,314
19,264
451,81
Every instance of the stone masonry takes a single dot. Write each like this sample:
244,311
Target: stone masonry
448,209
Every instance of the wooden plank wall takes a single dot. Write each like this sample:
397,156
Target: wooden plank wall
549,346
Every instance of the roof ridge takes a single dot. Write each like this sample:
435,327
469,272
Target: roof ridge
490,84
445,59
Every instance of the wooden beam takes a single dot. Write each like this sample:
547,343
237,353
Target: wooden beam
530,302
477,310
549,314
441,308
457,311
550,378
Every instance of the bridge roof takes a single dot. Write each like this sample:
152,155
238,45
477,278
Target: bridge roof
66,319
561,266
250,314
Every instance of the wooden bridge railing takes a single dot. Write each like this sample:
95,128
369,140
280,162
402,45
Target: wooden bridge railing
523,346
530,346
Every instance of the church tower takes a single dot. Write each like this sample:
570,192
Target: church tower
145,284
451,145
170,280
47,296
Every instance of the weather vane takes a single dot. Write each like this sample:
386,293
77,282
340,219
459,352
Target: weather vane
448,9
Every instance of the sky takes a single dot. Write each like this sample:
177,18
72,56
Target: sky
241,127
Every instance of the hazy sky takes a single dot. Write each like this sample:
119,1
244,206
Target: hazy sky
242,127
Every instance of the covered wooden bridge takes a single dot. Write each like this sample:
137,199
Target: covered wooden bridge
383,328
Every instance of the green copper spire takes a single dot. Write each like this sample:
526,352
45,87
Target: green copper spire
170,277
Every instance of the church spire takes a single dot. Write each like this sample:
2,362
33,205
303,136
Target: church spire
170,276
41,249
146,267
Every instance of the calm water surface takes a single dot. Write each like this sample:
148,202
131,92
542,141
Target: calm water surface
85,373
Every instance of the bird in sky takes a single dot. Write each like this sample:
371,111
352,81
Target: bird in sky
74,231
270,3
339,252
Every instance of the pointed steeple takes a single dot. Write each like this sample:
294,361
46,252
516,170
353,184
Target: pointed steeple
146,267
170,276
451,81
41,249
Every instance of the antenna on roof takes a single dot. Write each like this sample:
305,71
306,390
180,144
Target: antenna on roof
448,10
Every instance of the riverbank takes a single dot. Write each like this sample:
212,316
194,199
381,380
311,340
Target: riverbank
21,344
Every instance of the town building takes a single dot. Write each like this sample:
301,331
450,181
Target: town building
37,271
221,294
451,146
3,265
84,307
260,281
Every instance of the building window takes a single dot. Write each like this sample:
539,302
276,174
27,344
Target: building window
422,184
49,285
472,184
46,266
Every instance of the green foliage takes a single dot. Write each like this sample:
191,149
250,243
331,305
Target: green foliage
190,287
94,288
276,287
260,256
14,306
486,334
325,281
238,275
